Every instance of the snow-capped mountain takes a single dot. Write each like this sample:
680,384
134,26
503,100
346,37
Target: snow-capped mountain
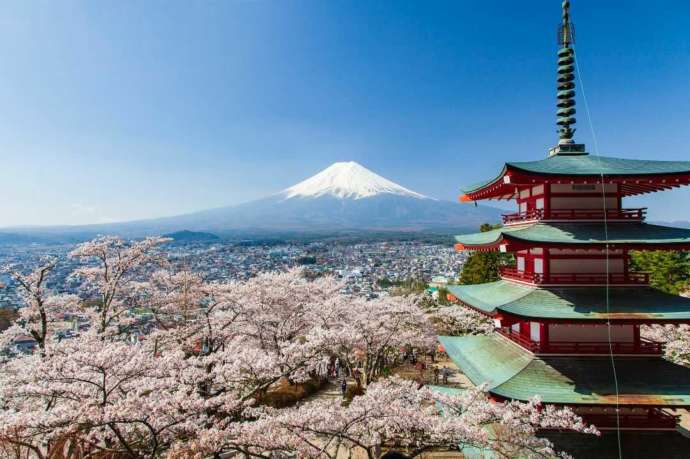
344,196
347,180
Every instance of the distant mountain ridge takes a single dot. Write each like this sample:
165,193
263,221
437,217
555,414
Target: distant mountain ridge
344,196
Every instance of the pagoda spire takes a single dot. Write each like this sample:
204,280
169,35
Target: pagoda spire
566,89
566,79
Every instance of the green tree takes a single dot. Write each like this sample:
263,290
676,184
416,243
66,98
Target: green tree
443,296
669,270
482,267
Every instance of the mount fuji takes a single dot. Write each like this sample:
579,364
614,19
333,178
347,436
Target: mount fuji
347,181
345,196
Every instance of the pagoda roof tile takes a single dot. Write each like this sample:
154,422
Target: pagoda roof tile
589,165
581,233
569,164
574,303
514,373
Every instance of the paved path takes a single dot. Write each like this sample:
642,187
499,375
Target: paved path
456,379
330,390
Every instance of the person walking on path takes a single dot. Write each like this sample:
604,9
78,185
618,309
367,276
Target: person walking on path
436,372
421,367
343,387
357,376
445,374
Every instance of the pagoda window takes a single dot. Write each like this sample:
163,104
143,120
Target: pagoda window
535,331
521,264
539,265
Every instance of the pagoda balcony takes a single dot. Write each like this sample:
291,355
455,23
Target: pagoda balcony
634,215
643,347
630,278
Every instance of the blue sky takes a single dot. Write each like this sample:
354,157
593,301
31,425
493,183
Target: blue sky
115,110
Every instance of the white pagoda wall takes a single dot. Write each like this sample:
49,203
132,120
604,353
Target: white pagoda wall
594,201
586,266
591,333
591,203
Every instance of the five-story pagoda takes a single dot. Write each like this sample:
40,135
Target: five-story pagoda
568,313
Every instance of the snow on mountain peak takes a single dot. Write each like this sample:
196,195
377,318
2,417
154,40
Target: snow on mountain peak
347,180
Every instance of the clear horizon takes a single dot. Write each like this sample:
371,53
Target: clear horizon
117,112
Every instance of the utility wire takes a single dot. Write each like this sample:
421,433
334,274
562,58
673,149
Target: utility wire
606,238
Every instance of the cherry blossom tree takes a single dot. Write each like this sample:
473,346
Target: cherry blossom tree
395,414
459,320
110,274
40,308
676,339
371,333
112,398
174,298
196,385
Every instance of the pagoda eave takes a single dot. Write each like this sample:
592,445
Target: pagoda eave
517,374
511,180
509,244
511,303
577,235
508,319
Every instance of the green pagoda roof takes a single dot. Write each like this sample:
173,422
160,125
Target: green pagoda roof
573,303
581,233
512,372
589,165
570,164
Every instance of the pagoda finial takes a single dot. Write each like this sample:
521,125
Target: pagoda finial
566,79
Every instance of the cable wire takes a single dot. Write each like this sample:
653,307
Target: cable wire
606,238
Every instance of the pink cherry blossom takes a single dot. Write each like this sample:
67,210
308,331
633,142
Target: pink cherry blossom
195,383
110,275
40,308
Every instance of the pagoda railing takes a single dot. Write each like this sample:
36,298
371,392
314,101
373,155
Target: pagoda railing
644,346
630,278
576,214
516,337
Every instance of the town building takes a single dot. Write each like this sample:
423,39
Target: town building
568,312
